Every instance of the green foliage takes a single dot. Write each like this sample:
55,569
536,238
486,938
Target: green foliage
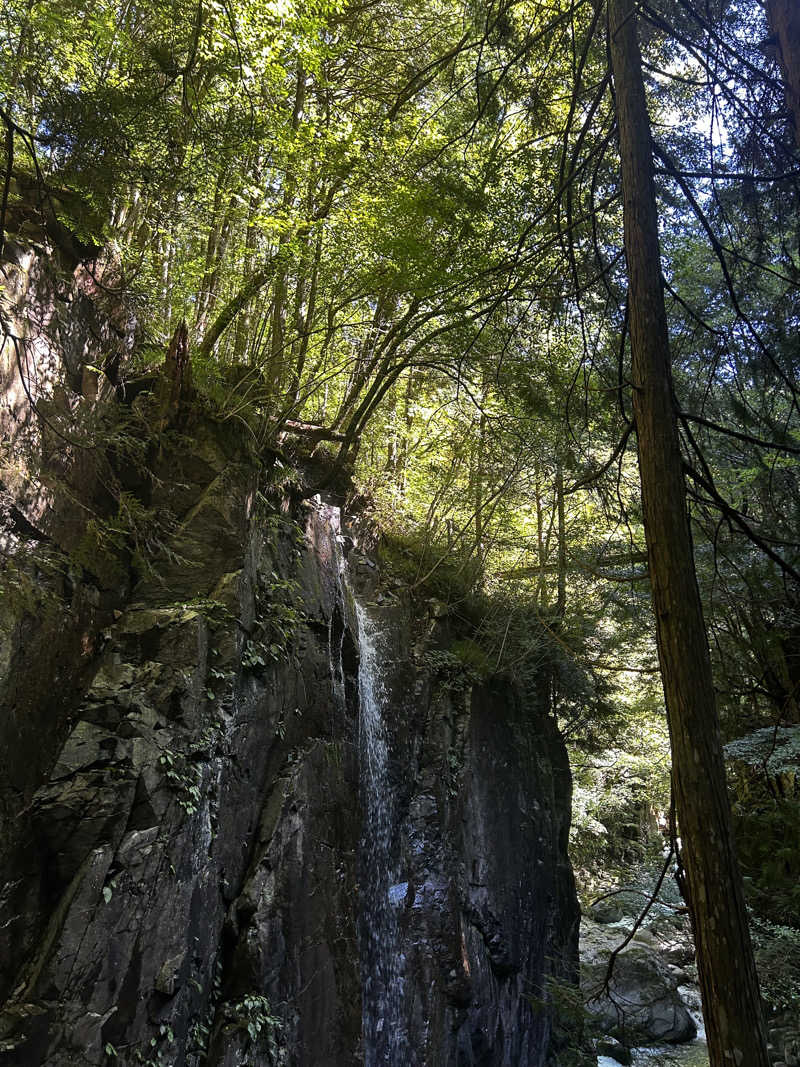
775,750
201,1029
281,611
777,949
431,570
29,580
767,834
449,670
184,770
159,1051
764,769
184,777
253,1017
215,612
618,796
133,532
473,658
279,617
564,1001
108,890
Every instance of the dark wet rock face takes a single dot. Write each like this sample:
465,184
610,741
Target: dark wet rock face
487,911
184,875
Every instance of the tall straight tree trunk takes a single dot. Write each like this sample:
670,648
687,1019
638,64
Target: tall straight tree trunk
728,981
245,320
304,320
561,593
280,293
217,235
784,21
478,476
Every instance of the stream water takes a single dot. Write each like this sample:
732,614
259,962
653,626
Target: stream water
694,1054
384,1042
381,961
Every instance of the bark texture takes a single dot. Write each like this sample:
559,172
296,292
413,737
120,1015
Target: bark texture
728,980
784,21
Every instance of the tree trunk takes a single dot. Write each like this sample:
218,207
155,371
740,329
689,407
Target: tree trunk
561,594
541,585
215,246
378,338
276,369
250,289
405,438
784,21
478,474
304,321
244,321
728,981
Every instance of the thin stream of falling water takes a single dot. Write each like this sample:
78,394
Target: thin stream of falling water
384,1041
383,1034
336,623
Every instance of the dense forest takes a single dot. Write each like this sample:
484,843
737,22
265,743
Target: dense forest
516,285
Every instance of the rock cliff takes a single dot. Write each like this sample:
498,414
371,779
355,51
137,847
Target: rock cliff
187,877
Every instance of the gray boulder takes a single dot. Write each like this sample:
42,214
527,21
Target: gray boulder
616,906
641,1004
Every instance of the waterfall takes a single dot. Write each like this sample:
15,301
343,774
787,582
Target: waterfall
384,1041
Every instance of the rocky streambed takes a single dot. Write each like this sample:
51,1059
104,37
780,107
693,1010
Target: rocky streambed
645,1010
645,1007
694,1054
